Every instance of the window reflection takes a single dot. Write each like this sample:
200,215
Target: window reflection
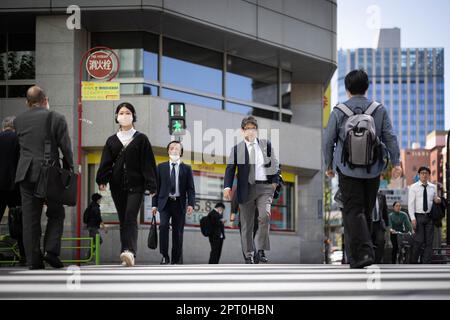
21,56
192,67
2,56
191,98
138,88
286,90
238,108
251,81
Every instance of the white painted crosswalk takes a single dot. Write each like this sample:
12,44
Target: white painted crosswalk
228,282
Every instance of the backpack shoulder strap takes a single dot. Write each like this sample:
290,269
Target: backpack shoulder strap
371,109
346,110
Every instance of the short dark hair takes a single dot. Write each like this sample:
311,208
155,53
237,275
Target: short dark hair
424,168
175,141
220,205
395,202
96,196
357,82
129,106
249,120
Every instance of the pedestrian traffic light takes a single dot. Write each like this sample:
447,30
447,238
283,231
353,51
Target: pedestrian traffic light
177,118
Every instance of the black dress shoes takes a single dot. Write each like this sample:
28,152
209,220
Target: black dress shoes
165,260
249,260
37,267
365,262
53,260
262,256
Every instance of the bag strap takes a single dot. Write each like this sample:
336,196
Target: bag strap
346,110
48,138
371,109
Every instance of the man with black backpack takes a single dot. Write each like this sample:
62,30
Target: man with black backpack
357,143
92,217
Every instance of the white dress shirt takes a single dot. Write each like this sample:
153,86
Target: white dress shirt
415,198
260,172
177,171
126,136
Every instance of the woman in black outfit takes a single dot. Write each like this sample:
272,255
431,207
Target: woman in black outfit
128,165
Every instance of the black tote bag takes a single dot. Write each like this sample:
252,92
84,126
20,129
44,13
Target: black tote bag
152,241
55,184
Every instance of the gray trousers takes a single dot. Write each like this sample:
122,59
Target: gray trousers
260,196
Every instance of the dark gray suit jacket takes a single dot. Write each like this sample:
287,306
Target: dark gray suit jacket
31,130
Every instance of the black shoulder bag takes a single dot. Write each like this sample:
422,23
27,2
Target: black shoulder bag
55,184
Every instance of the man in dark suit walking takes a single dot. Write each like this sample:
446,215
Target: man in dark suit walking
257,180
9,190
216,232
175,188
9,148
31,130
380,221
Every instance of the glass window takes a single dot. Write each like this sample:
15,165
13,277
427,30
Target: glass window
251,81
21,56
192,67
138,88
248,110
281,217
18,91
138,52
2,56
286,118
286,89
2,91
191,98
238,108
131,63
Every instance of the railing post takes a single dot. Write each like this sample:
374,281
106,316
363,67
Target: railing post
97,249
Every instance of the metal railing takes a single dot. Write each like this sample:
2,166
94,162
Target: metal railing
93,246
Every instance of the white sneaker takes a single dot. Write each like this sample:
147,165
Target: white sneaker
127,258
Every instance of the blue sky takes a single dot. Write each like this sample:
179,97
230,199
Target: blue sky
422,24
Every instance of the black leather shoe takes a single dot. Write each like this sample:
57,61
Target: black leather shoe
53,260
365,262
165,260
262,256
37,267
249,260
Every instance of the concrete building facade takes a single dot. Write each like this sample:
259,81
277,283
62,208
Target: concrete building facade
225,60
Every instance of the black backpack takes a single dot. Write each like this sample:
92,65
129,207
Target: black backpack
205,225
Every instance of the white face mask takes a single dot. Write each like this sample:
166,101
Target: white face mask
174,157
125,119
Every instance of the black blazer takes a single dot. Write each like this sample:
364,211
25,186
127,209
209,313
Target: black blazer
94,218
31,130
239,159
10,150
139,160
185,185
217,226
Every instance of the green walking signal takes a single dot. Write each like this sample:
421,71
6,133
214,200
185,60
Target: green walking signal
177,118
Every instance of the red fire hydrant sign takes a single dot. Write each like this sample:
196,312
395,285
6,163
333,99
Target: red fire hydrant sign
100,64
